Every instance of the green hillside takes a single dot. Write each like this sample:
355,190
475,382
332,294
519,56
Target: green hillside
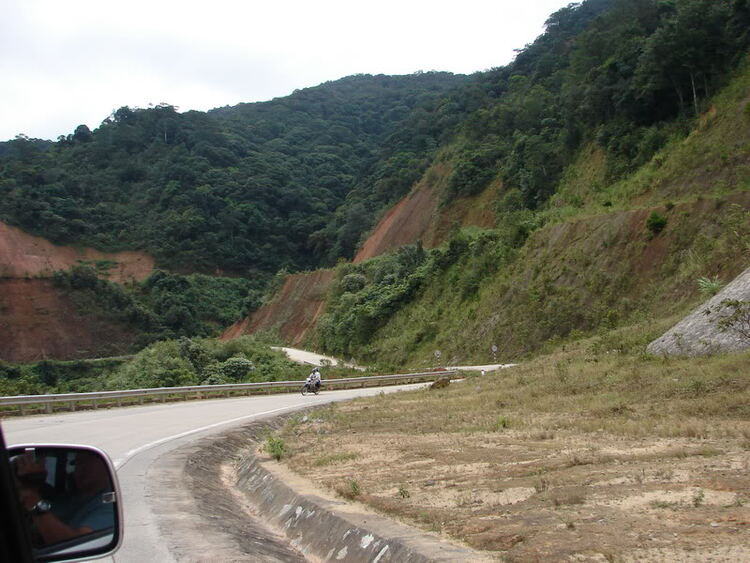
614,149
238,189
617,231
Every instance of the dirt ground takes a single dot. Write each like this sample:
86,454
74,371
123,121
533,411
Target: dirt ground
536,495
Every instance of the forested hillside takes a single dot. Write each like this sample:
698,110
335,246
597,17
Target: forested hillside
620,108
616,149
238,189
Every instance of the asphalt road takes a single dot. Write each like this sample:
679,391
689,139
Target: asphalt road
136,437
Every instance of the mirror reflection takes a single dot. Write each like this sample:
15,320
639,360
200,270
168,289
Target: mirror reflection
67,494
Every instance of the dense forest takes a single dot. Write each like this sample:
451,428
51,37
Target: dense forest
297,182
625,75
238,189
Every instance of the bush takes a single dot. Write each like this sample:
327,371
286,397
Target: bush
276,448
353,282
708,286
236,368
655,223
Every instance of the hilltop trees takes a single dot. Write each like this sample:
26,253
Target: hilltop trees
237,189
296,182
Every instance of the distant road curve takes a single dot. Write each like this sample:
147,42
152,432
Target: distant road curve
487,367
313,359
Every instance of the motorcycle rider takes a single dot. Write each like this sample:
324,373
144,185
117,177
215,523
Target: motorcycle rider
314,378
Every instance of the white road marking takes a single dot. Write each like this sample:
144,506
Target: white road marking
119,462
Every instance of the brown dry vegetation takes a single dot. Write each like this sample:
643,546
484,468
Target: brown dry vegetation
590,454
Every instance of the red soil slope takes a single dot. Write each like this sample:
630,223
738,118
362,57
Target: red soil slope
37,322
419,217
405,223
293,311
297,307
24,255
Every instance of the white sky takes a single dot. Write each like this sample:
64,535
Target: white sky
67,62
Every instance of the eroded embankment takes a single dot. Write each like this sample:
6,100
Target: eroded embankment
420,217
38,321
232,496
24,255
292,312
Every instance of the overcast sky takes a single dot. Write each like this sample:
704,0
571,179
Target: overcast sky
67,62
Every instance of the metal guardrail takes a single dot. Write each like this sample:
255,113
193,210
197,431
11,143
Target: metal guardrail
46,403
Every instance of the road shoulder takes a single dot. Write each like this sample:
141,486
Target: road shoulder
236,506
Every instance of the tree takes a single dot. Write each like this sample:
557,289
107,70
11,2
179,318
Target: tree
82,134
686,53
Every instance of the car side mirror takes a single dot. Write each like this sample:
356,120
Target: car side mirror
71,500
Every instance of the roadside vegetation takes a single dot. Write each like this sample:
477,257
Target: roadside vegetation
599,254
581,452
168,363
165,305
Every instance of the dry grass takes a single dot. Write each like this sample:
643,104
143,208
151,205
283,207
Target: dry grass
582,453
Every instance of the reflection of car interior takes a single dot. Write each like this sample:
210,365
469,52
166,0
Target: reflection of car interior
67,503
67,494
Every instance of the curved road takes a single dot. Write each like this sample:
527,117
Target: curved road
136,437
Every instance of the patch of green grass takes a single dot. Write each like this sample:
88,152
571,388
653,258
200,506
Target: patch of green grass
276,448
332,459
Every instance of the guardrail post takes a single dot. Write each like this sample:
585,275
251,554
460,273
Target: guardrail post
93,403
20,409
48,408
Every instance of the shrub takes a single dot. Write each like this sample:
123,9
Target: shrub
354,488
276,447
502,423
655,223
708,286
236,368
353,282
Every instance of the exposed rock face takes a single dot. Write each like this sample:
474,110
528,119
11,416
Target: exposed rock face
699,334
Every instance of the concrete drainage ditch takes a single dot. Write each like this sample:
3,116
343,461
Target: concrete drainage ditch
236,505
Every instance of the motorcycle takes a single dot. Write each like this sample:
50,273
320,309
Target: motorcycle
310,387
